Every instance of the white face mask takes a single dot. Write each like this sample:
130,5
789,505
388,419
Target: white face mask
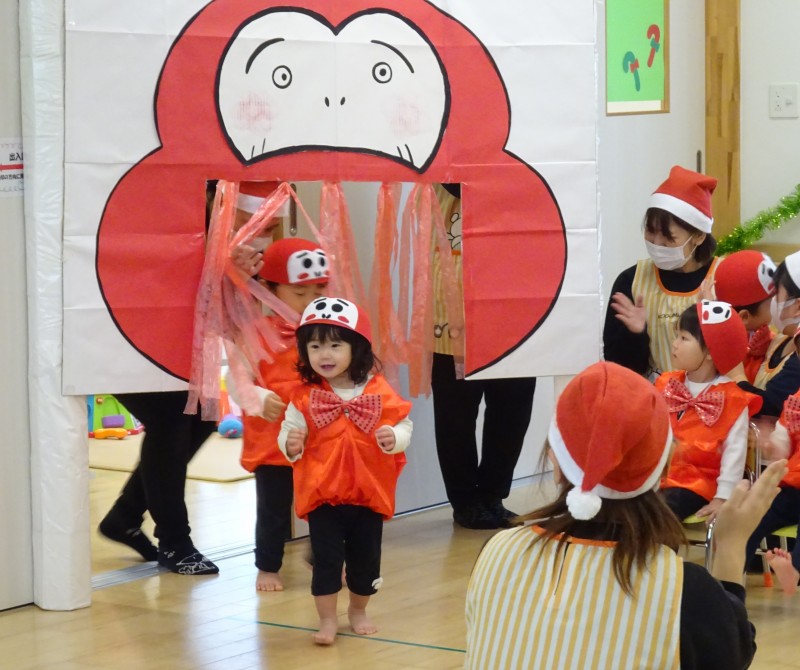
668,258
776,309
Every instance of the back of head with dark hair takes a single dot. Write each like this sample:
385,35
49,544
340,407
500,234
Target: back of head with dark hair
689,322
783,278
363,360
657,220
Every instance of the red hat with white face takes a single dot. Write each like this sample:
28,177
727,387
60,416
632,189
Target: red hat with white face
724,334
604,452
295,261
687,195
745,278
337,312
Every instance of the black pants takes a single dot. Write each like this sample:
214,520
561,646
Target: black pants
683,502
273,514
345,534
784,511
509,403
157,484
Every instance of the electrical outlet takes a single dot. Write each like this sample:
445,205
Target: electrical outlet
783,103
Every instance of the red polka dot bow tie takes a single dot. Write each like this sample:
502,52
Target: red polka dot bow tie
791,414
708,404
759,342
363,410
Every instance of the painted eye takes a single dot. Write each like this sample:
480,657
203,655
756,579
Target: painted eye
382,73
337,308
282,76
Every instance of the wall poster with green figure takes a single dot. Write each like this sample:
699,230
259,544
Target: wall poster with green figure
637,72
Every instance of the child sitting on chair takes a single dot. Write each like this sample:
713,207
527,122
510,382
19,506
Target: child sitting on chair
785,509
746,280
709,413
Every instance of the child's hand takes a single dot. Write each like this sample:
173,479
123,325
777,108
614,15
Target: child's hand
709,512
385,437
274,407
736,374
633,315
295,441
707,290
248,259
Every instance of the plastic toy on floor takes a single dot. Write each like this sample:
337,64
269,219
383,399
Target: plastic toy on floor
108,418
230,426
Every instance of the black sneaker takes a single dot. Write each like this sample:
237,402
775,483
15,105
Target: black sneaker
134,538
508,519
476,517
182,563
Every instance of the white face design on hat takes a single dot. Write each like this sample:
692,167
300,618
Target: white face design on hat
305,265
766,274
332,309
714,312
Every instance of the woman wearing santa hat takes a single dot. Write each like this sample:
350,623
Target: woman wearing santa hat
647,299
596,581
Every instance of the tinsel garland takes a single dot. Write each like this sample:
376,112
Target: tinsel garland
749,232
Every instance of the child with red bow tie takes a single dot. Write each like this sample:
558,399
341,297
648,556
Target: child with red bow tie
345,431
709,413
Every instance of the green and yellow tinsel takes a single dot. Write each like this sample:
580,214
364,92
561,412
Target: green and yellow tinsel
749,232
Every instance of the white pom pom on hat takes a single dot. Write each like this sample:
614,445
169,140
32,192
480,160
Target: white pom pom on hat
606,454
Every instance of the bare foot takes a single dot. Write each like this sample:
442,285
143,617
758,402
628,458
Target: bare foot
781,563
326,635
268,581
360,623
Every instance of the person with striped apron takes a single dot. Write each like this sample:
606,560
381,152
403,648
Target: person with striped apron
647,299
596,582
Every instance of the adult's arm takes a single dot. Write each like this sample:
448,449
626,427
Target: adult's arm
780,387
620,345
715,631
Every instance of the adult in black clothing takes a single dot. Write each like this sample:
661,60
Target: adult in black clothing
647,299
157,484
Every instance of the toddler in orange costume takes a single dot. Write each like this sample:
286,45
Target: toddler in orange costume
709,413
345,432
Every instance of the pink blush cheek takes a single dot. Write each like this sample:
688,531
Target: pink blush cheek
406,118
254,113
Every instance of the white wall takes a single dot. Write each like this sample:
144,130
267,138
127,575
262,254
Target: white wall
770,53
16,579
637,151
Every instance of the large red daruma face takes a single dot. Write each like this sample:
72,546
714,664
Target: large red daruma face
346,91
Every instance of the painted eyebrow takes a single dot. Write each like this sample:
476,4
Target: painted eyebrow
397,51
261,48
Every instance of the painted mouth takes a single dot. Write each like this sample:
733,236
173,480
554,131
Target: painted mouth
290,81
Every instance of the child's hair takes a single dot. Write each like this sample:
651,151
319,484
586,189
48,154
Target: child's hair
752,308
657,220
689,321
363,360
783,278
638,525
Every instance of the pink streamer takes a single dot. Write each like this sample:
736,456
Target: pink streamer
336,236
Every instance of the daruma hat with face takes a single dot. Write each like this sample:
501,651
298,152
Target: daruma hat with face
603,452
724,334
337,312
687,195
745,278
293,260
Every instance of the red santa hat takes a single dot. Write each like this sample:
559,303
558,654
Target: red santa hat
745,278
338,312
687,195
295,261
724,334
253,193
610,435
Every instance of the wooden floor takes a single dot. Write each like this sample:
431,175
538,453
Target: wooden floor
157,620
